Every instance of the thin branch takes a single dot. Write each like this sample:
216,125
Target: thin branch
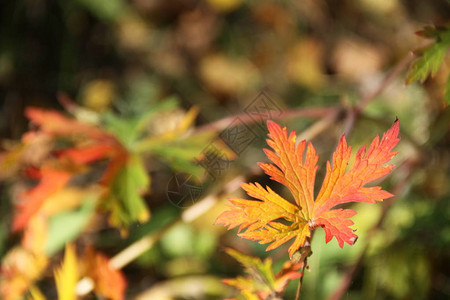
400,67
304,253
248,118
320,125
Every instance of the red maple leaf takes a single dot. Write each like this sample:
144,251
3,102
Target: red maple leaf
273,219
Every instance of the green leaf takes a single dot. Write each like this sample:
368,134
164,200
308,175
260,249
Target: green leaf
126,203
65,227
431,57
428,64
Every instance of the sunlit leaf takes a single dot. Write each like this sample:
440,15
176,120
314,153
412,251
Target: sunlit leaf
272,219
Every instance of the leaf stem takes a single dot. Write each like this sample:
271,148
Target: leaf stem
301,256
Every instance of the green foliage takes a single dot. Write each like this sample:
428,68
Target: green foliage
431,57
125,200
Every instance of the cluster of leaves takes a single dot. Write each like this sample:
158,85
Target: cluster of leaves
273,219
65,170
213,53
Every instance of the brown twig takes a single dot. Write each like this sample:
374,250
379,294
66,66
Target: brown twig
301,256
400,67
320,125
248,118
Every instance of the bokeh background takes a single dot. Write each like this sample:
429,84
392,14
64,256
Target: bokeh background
222,57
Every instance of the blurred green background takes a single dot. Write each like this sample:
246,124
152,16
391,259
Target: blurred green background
219,55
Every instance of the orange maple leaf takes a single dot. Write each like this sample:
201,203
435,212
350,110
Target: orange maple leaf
273,219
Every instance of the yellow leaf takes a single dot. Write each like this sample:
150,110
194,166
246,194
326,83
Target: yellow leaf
66,277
